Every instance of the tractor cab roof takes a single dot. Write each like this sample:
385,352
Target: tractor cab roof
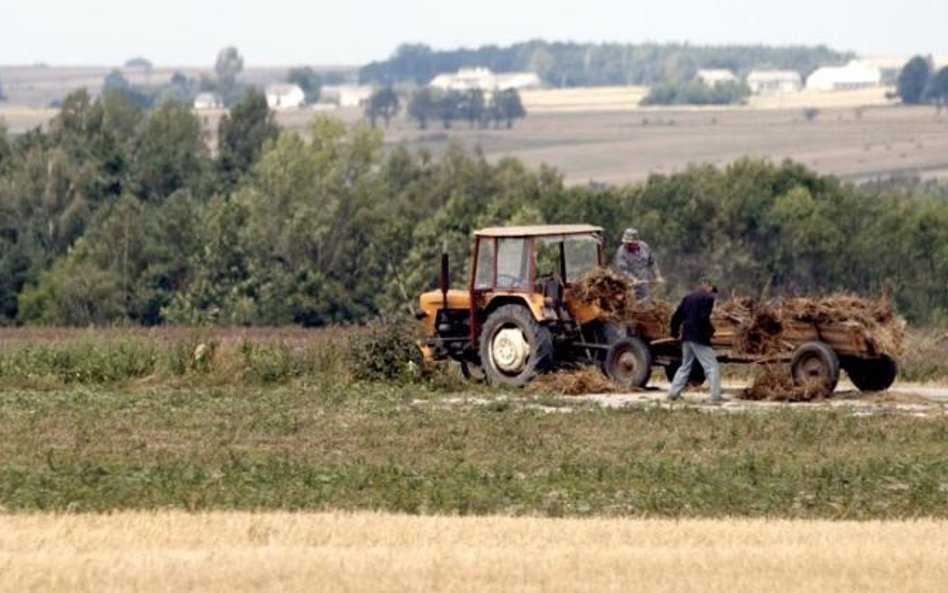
542,230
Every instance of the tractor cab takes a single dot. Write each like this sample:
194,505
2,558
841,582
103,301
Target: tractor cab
517,317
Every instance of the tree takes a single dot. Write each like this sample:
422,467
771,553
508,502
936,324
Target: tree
308,80
421,106
938,87
139,62
473,108
228,65
171,153
383,103
506,106
241,135
913,80
115,80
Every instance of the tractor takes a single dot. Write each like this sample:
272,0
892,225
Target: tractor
518,317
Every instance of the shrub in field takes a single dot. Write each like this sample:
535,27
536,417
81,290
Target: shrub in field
386,351
269,363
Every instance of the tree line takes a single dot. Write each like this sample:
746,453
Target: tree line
592,64
919,83
426,104
114,214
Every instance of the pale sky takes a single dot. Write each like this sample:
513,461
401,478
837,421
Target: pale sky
352,32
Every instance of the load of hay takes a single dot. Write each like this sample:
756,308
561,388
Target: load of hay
848,323
773,382
608,290
760,328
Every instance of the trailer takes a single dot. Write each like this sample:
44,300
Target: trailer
816,350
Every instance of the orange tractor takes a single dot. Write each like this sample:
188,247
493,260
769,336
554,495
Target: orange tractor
518,316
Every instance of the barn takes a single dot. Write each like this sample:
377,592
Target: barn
765,82
285,96
854,75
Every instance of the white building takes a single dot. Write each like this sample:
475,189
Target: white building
285,96
711,77
206,101
854,75
346,95
467,79
765,82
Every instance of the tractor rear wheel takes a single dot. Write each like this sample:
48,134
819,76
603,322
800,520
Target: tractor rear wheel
629,363
514,348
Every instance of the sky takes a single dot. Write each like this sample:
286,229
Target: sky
353,32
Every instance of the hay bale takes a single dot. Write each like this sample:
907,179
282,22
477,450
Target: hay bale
773,382
579,381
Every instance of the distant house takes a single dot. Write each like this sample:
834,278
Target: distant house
712,77
467,79
346,95
765,82
285,96
854,75
205,101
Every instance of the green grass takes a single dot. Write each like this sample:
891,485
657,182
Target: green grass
327,445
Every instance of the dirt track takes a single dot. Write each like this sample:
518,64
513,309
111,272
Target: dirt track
907,398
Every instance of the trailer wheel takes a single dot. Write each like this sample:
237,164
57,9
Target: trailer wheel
875,374
815,364
695,378
629,363
514,348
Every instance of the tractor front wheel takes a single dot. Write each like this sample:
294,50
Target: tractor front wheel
514,348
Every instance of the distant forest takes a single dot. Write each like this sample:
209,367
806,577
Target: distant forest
588,64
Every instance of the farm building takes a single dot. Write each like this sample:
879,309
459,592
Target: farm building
205,101
346,95
467,79
854,75
285,96
712,77
764,82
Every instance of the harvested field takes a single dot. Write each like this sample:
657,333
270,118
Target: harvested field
332,552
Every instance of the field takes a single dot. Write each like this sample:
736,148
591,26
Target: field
241,460
374,552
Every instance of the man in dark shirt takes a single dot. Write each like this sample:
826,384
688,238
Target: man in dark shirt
692,320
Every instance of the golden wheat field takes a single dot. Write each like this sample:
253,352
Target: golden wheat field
173,551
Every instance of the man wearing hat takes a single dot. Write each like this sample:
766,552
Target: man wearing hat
634,260
692,320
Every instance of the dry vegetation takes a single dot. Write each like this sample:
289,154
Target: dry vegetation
370,552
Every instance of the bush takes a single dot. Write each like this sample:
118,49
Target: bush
385,351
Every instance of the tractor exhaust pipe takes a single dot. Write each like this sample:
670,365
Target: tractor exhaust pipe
445,280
